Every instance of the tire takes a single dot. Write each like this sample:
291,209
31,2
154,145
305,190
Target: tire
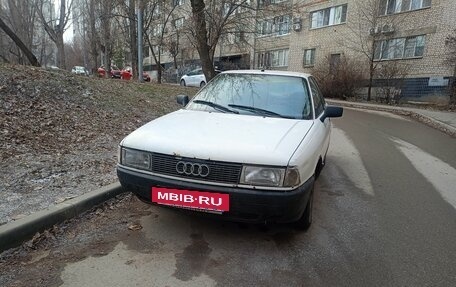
305,221
182,83
202,84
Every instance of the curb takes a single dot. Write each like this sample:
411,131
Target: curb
14,233
431,122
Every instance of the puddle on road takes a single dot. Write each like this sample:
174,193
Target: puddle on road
193,261
125,267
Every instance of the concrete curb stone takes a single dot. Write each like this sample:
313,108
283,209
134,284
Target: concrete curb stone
14,233
429,121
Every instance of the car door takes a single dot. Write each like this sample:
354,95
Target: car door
192,78
323,128
200,78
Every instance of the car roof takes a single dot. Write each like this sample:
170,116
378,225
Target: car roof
268,72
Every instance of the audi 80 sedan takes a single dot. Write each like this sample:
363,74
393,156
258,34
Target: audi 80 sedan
248,147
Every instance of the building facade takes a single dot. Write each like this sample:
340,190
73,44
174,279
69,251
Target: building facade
399,43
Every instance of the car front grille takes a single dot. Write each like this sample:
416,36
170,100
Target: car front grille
223,172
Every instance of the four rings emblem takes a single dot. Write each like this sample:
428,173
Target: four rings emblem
190,168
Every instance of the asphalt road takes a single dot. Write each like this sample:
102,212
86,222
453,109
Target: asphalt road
384,215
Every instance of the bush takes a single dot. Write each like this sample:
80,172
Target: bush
339,80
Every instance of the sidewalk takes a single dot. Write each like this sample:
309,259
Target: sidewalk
443,121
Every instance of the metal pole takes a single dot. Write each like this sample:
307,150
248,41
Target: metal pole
140,41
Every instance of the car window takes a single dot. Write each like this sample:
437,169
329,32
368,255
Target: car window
319,102
284,95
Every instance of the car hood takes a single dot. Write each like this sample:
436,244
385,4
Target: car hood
221,137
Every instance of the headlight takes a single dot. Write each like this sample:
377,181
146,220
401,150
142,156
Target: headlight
292,177
264,176
135,158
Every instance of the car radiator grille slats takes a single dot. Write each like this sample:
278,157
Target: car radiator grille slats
222,172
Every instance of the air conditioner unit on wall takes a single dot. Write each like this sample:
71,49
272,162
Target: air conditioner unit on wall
297,24
375,31
387,29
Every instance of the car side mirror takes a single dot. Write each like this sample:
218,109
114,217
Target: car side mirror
182,99
332,112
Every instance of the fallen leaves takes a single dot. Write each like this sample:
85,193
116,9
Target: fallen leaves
60,132
135,227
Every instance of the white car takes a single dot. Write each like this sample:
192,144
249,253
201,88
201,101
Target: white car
195,78
248,147
79,70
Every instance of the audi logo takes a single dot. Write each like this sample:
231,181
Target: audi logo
190,168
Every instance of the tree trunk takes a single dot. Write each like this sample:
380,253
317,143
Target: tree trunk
32,59
60,52
93,37
133,38
371,80
453,92
207,65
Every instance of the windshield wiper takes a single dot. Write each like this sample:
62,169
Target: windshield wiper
215,106
259,111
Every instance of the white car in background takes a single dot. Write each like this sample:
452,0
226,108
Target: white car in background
195,78
248,147
79,70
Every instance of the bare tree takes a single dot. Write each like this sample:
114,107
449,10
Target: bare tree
93,10
158,18
106,9
127,23
211,20
19,43
369,35
56,27
451,44
19,16
339,80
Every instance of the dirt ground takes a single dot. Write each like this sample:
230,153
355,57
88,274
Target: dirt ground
60,133
39,261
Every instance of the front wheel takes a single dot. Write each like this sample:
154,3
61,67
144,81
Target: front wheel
305,221
182,83
202,84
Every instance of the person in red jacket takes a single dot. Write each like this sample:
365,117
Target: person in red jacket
126,74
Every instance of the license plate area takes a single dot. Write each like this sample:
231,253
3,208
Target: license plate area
191,199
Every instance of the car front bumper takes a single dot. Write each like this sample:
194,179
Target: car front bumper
246,205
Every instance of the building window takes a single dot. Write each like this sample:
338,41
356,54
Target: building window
282,24
279,25
309,57
178,2
272,59
388,7
400,48
329,16
235,37
179,23
157,30
262,3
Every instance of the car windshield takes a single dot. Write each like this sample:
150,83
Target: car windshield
256,94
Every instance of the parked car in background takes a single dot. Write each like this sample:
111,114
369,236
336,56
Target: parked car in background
79,70
195,78
146,77
126,74
114,72
248,147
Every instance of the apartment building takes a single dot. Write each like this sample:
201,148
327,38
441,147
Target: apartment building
403,36
408,35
